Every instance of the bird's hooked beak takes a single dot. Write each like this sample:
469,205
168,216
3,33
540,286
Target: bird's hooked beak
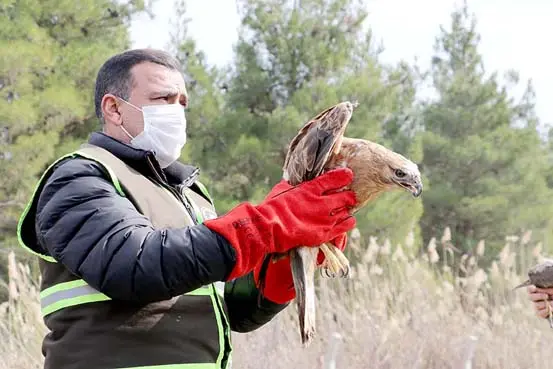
417,189
412,184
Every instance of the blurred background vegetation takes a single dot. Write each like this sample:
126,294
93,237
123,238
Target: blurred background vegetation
486,161
486,158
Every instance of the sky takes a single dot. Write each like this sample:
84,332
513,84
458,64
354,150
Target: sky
515,34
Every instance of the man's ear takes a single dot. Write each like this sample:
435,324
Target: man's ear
111,110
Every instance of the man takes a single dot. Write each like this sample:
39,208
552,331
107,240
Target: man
130,245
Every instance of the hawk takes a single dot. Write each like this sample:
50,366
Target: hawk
319,146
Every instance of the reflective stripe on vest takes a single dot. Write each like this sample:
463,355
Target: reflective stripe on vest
180,366
78,292
68,294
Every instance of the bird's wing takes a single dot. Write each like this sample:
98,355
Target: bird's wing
311,148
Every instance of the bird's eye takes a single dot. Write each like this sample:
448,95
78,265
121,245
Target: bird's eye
399,173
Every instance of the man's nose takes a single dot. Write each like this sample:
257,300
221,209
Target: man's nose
176,99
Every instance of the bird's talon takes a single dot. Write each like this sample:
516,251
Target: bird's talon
329,273
348,272
344,272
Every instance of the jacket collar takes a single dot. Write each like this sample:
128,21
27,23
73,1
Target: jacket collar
176,174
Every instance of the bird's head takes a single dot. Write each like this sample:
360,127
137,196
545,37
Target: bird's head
394,170
406,174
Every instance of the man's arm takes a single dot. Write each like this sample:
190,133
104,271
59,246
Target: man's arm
100,236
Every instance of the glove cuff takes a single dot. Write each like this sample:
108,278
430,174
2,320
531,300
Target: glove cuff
250,241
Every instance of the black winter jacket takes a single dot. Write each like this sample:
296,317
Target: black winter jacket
104,240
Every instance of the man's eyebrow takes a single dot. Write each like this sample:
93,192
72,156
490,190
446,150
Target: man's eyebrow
165,92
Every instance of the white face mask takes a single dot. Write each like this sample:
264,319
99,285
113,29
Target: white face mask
164,132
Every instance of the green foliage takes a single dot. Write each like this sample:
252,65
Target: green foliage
482,152
50,52
290,63
486,169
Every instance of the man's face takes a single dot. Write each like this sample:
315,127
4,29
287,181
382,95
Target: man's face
153,84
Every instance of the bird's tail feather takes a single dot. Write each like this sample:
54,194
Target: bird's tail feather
303,261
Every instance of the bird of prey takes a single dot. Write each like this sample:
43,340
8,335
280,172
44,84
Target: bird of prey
320,146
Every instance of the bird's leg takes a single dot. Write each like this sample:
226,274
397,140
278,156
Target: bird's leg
331,264
335,262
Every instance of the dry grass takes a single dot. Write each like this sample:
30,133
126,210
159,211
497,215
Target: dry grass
398,311
403,311
21,325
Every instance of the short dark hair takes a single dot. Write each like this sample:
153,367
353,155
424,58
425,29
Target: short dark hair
114,77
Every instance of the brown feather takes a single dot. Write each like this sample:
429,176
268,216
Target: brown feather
311,148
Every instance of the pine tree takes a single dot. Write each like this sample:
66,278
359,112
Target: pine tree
292,60
482,152
50,51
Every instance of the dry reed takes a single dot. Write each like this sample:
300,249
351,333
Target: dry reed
21,325
399,310
403,310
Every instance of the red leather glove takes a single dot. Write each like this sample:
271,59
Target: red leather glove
340,241
305,215
278,284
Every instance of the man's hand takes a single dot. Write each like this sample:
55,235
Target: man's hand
541,299
279,282
308,214
339,241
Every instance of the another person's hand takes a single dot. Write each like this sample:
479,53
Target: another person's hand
541,298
